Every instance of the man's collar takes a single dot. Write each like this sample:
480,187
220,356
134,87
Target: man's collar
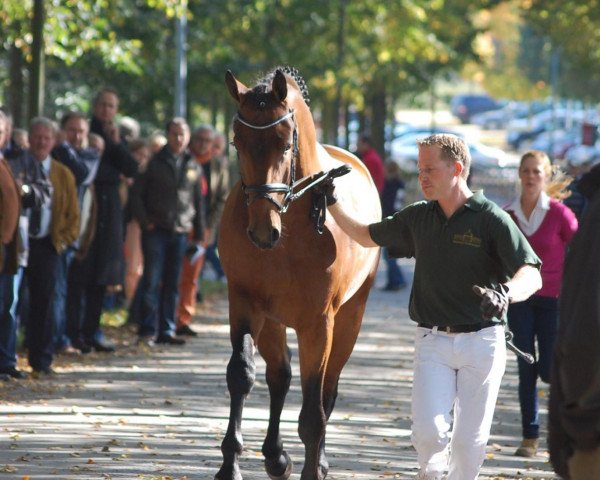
476,201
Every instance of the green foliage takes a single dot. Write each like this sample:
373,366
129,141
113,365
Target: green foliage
348,50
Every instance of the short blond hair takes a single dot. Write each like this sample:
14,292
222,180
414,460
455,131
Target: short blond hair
453,148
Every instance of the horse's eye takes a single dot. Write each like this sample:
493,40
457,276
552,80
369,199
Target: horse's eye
287,148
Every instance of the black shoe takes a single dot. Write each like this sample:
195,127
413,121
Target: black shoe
394,288
102,346
186,331
147,340
82,346
12,372
43,372
170,340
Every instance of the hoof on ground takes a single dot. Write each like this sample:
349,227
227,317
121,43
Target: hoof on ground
288,469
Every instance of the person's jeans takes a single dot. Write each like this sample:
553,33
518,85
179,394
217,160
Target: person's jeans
61,339
213,259
163,256
9,298
531,321
395,277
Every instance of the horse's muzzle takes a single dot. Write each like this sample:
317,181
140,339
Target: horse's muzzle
265,242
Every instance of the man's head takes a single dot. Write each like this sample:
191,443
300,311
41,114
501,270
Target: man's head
76,128
106,105
42,136
202,141
444,159
218,146
364,144
4,127
178,135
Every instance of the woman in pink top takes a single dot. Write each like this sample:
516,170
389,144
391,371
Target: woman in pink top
549,226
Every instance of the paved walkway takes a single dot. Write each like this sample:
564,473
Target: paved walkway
161,413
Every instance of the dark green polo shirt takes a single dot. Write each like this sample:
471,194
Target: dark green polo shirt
479,245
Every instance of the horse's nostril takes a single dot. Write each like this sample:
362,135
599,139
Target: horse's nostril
274,236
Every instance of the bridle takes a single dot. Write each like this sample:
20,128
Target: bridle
266,189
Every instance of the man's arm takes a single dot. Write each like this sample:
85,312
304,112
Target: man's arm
525,282
356,230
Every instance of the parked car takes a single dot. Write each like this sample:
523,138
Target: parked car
405,153
498,119
465,106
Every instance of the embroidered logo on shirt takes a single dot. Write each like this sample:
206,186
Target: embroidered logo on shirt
467,239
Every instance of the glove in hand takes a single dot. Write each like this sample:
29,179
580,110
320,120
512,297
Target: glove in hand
494,301
326,188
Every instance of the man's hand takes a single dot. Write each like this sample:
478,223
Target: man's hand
326,188
494,301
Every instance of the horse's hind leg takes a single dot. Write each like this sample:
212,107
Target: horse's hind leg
273,348
347,327
240,379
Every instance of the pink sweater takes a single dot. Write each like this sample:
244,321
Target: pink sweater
549,242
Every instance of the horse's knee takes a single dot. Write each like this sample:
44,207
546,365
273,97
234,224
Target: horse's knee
279,378
241,370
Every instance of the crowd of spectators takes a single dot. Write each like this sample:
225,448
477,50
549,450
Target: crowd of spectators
92,211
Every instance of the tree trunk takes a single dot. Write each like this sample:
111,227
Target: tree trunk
37,67
16,89
378,117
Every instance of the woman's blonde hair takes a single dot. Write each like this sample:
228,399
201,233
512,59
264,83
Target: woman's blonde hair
556,186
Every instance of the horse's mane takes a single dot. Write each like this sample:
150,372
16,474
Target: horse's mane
266,81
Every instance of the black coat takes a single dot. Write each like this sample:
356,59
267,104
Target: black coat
574,413
104,262
168,195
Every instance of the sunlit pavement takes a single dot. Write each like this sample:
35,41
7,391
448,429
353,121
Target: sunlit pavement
161,413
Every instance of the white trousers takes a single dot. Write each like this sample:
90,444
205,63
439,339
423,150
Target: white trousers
456,381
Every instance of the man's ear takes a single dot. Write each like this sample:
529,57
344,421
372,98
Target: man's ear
458,168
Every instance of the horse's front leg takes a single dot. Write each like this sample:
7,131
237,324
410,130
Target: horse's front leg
272,346
314,345
240,380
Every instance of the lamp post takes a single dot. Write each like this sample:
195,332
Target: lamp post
181,61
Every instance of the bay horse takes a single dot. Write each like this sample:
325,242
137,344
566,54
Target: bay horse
282,272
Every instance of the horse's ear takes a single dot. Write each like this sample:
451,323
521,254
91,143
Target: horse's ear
234,86
280,86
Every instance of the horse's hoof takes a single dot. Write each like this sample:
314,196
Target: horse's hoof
228,474
288,469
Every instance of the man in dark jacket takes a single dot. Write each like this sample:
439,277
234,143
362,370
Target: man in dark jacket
574,412
167,202
103,265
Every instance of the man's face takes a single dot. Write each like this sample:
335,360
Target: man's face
106,107
201,144
436,176
178,138
41,141
218,146
3,132
76,131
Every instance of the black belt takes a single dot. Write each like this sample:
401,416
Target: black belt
471,327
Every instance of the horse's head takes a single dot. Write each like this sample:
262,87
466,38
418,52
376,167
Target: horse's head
266,139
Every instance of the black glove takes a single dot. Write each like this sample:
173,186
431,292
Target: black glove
494,301
326,188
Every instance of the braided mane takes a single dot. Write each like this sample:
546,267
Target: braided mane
292,72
